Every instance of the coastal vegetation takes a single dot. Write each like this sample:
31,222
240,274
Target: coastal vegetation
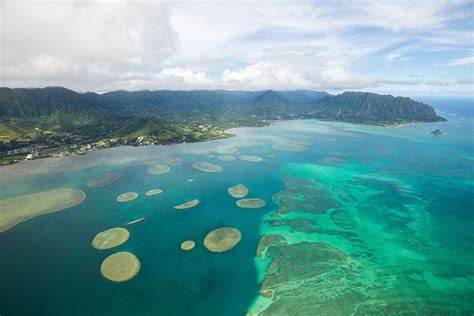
56,121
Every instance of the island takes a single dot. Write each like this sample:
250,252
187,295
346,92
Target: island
55,121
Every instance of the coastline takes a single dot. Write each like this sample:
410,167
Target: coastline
103,144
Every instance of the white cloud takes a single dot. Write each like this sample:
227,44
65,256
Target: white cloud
72,41
135,44
462,61
264,75
392,56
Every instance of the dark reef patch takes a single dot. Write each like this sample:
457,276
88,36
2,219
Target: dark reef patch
343,220
268,240
304,195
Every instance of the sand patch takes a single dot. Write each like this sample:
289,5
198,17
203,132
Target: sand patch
110,238
153,192
288,146
135,221
172,161
250,158
238,191
226,157
187,205
251,203
225,150
21,208
120,267
103,180
127,197
222,239
188,245
207,167
160,168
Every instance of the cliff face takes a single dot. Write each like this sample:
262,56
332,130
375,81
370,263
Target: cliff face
371,108
176,106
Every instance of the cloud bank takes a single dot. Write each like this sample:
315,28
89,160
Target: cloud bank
328,45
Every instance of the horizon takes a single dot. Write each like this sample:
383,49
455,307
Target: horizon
461,96
399,48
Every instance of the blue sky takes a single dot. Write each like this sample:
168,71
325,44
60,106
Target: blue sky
398,47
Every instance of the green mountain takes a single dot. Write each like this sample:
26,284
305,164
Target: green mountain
54,118
371,108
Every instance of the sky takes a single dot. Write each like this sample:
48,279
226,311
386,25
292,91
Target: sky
385,46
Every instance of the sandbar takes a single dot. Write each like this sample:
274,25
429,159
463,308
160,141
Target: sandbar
127,197
187,205
250,158
207,167
103,180
110,238
160,168
188,245
251,203
222,239
172,161
226,157
120,267
135,221
153,192
238,191
17,209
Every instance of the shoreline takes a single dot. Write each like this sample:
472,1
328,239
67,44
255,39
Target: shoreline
225,135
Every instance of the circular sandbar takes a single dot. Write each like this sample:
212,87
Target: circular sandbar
103,180
110,238
173,161
187,205
160,168
225,150
250,158
222,239
127,197
251,203
226,157
120,267
21,208
238,191
153,192
188,245
207,167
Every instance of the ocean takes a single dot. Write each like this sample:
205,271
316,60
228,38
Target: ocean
359,220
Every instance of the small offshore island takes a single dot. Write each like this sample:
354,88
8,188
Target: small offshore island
58,122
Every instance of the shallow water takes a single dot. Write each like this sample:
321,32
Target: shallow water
378,220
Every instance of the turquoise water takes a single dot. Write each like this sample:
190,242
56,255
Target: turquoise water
377,220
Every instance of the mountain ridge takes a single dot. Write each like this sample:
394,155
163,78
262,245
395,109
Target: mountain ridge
54,117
